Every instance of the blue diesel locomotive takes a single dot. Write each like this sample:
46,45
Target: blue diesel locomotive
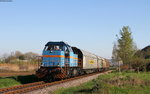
60,60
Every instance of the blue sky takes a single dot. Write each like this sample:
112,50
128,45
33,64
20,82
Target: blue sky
92,25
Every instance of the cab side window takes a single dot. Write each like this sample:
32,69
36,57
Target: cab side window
66,50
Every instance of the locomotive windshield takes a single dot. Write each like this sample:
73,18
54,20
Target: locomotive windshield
54,48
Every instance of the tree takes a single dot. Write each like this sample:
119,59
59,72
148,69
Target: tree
142,59
31,56
18,54
115,57
126,47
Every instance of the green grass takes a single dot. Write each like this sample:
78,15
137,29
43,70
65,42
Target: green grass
17,80
7,82
73,90
113,83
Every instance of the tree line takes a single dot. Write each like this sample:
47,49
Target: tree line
19,57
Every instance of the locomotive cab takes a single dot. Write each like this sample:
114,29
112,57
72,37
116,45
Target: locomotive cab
53,55
58,54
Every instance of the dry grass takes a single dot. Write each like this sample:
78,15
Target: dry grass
18,67
121,81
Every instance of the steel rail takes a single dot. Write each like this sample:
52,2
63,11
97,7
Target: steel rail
20,86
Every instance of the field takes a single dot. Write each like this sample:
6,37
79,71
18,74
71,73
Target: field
18,67
113,83
17,74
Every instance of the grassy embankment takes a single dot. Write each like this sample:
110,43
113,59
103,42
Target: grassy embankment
16,80
113,83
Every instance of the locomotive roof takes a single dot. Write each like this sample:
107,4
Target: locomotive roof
56,43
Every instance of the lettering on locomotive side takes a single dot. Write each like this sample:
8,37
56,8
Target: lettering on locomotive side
91,61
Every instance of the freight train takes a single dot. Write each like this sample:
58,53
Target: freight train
60,61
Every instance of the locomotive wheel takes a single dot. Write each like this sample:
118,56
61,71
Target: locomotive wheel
75,72
49,78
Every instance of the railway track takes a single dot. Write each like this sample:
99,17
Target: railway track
38,85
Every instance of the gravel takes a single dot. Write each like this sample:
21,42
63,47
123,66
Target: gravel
77,82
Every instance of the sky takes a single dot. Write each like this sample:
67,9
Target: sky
92,25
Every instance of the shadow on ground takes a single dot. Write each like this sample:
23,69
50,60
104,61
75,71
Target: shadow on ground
25,79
